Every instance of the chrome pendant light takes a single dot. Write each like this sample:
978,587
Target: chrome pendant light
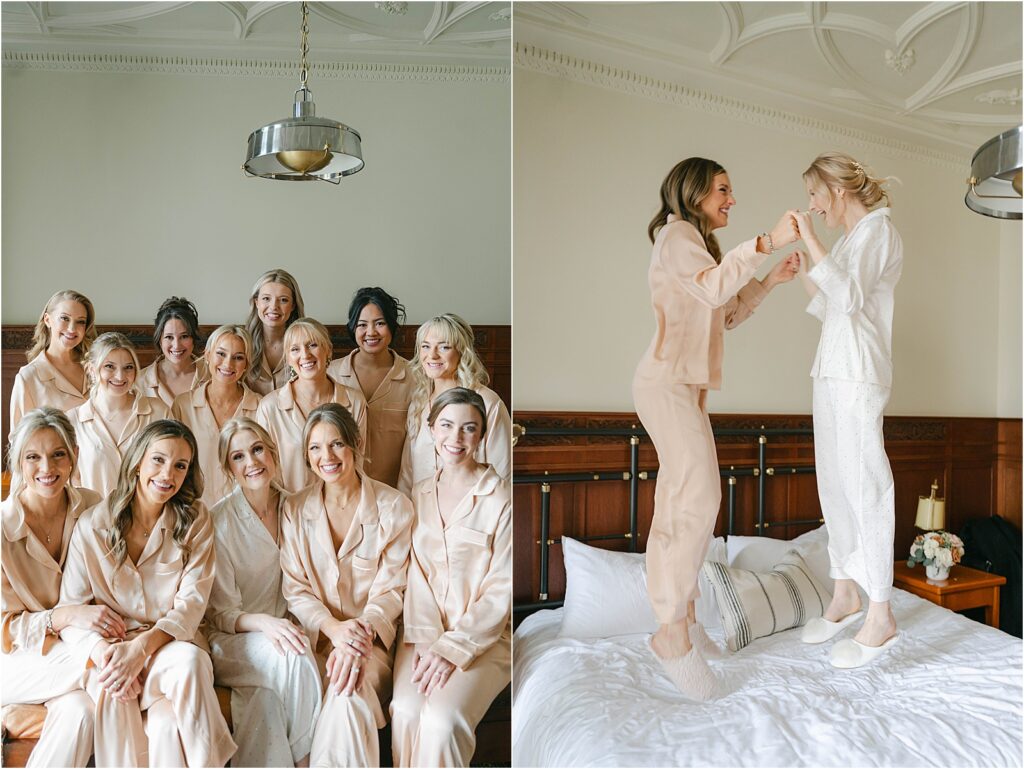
304,147
995,183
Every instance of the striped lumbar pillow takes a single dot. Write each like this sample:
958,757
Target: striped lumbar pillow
756,604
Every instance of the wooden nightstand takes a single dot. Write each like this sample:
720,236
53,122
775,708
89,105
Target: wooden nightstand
965,589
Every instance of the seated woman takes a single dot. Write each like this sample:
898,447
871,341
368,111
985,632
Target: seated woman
257,652
54,375
446,358
147,553
345,547
222,397
283,412
39,516
177,369
106,423
275,303
381,374
454,656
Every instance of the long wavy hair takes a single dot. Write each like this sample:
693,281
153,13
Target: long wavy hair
182,504
100,350
254,325
470,374
682,192
42,418
833,170
41,333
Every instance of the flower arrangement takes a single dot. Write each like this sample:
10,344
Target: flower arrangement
938,549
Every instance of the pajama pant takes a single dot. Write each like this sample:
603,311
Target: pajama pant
855,483
687,495
441,730
53,679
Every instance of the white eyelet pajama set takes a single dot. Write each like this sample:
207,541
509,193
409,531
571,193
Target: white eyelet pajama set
852,374
694,301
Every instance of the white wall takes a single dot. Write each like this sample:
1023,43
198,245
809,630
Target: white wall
128,188
588,165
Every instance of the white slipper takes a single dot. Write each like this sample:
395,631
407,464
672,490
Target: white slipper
819,629
702,642
690,673
850,653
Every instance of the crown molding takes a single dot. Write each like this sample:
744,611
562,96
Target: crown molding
189,65
567,67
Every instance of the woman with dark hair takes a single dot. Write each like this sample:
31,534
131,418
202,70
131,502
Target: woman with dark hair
274,304
178,367
344,554
147,553
852,292
454,656
697,293
55,375
374,318
39,517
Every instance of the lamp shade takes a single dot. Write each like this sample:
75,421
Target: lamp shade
995,183
931,513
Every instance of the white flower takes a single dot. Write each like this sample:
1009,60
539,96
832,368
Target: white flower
930,546
944,558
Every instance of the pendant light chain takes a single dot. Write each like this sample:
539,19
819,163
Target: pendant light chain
304,48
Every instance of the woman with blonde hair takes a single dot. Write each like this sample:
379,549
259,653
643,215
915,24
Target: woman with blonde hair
222,397
852,290
283,412
147,553
258,652
454,656
445,358
116,410
344,553
696,292
382,375
275,303
39,516
177,368
55,375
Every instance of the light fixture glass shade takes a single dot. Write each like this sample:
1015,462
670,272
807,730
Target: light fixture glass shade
995,183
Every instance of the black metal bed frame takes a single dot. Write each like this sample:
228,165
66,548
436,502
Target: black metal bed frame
634,475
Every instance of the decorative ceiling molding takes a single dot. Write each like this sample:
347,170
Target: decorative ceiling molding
567,67
180,65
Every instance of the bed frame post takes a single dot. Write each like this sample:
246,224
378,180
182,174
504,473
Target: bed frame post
634,490
545,543
762,476
732,503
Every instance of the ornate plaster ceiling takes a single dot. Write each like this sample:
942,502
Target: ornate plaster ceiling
945,74
466,33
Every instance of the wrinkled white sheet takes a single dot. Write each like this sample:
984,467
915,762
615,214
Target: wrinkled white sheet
948,694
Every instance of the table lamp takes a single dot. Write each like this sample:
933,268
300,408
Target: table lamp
931,511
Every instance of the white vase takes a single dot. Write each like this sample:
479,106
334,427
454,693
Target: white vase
937,572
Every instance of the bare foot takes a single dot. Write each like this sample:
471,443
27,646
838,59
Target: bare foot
671,641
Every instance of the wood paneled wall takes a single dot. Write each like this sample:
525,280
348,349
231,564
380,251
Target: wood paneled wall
493,345
976,461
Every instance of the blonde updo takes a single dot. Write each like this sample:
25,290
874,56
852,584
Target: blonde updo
833,170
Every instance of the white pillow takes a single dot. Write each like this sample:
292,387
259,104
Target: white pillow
761,553
606,592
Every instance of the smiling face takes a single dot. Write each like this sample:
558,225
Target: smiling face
457,432
274,304
67,322
176,342
716,205
327,454
372,332
162,470
117,373
226,359
819,202
308,357
439,358
251,461
46,464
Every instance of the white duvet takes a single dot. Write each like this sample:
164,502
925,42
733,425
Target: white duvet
948,694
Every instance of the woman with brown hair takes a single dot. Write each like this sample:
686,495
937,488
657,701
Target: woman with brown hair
852,294
55,375
177,368
697,293
275,303
147,553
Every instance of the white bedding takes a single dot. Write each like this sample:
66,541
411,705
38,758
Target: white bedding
948,694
